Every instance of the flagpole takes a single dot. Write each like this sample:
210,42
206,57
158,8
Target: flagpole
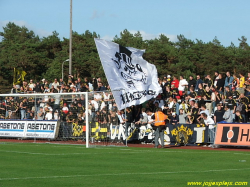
14,76
70,40
125,123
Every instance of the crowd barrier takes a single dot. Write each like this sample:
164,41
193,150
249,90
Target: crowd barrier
182,134
229,134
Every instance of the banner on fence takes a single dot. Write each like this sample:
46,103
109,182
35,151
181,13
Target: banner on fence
29,129
188,134
235,134
185,134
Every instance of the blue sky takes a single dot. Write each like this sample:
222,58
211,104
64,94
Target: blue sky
228,20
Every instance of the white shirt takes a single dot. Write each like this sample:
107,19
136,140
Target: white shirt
55,84
215,81
149,118
31,85
182,84
95,104
120,118
205,111
209,121
90,87
106,97
144,117
102,105
57,99
56,117
170,105
48,116
98,96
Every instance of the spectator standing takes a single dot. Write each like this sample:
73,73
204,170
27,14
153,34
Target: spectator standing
61,82
198,81
203,109
227,92
220,84
23,108
208,99
200,91
182,117
190,118
227,115
37,88
67,128
228,80
216,78
247,84
191,82
49,115
231,104
95,85
175,92
235,83
218,114
192,93
235,93
55,84
40,114
43,84
211,127
167,93
129,119
208,81
174,83
31,84
182,85
175,106
101,87
167,82
242,83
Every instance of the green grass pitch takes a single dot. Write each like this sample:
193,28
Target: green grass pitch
35,165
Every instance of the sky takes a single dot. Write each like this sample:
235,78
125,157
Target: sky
195,19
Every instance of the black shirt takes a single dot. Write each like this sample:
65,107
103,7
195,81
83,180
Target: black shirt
191,83
220,84
239,119
219,115
231,104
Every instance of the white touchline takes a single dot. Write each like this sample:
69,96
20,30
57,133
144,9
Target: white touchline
120,174
125,151
20,152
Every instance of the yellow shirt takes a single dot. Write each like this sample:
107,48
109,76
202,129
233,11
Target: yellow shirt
242,82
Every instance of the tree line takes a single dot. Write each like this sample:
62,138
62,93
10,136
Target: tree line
43,57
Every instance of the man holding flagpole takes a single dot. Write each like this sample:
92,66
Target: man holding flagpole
131,78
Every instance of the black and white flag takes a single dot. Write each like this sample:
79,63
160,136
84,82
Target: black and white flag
128,72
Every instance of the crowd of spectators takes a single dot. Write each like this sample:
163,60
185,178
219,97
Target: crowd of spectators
192,101
195,96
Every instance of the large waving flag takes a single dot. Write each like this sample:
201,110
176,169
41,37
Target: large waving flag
132,79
